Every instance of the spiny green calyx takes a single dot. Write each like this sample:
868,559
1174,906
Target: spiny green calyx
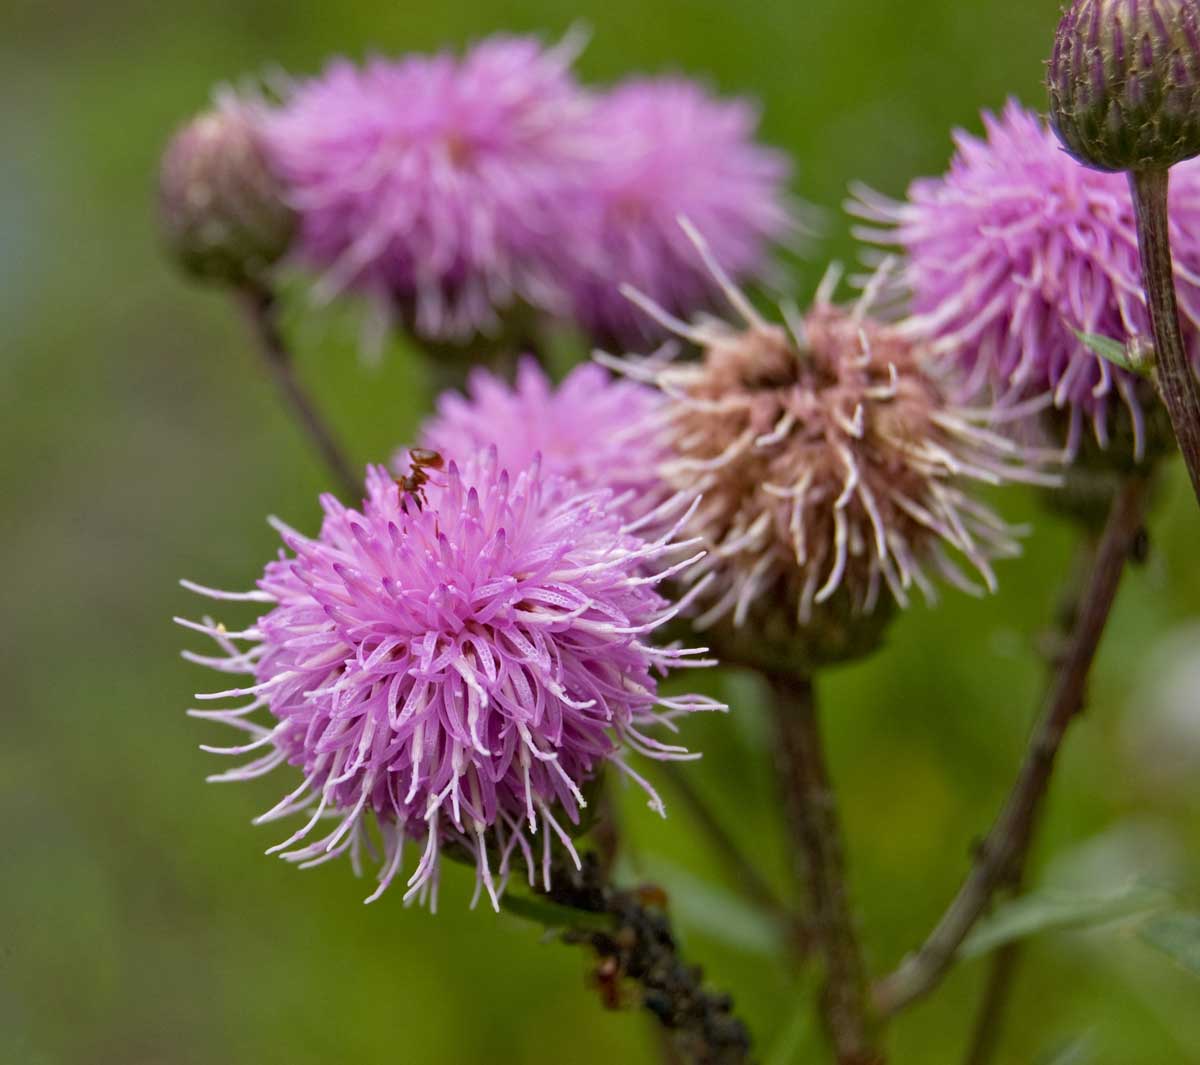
222,209
1124,83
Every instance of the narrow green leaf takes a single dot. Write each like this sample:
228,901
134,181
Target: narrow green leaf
1177,935
1055,911
1114,351
551,915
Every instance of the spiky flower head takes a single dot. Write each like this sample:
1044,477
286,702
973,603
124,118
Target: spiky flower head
436,183
666,148
454,662
1017,250
1124,83
221,204
835,476
591,429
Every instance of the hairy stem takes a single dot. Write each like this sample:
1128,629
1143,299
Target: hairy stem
262,309
817,841
741,872
1176,380
640,948
1003,852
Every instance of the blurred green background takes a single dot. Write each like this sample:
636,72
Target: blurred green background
141,443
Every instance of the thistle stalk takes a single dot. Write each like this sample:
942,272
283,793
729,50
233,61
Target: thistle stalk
821,865
1124,82
262,311
1173,371
1004,850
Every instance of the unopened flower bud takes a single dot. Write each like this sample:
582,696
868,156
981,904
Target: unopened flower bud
222,209
1125,83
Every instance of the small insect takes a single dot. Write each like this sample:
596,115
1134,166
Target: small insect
422,461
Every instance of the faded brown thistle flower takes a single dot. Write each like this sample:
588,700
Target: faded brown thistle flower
835,474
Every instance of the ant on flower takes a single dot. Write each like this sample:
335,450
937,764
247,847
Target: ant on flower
422,460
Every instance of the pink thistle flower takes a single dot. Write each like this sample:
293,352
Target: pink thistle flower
436,183
590,429
667,148
1016,250
455,662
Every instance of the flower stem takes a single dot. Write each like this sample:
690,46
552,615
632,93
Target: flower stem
263,311
1176,380
988,1028
640,947
1004,850
817,841
989,1024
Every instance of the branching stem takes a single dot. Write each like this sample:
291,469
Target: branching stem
1003,852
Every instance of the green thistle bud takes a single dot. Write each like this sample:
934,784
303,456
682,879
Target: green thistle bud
222,209
1124,83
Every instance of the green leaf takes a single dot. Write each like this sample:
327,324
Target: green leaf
717,913
1057,911
1122,355
551,915
1177,935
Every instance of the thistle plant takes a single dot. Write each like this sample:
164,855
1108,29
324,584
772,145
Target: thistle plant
464,659
665,148
1014,256
589,429
457,660
1124,88
436,185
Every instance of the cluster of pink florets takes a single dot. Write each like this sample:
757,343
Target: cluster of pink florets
451,189
1017,250
455,663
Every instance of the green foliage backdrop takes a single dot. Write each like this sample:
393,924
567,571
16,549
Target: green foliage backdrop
140,443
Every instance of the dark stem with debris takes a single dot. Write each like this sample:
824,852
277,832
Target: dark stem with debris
1173,369
821,867
1004,849
637,946
263,310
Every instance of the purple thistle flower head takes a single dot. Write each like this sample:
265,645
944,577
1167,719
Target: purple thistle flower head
1016,250
436,183
671,149
591,429
455,662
